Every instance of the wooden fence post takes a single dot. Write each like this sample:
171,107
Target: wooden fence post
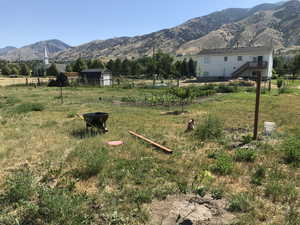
257,104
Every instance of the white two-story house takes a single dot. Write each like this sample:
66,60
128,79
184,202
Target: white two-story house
231,63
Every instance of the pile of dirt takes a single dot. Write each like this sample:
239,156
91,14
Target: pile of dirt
190,210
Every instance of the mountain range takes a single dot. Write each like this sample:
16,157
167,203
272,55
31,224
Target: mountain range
265,24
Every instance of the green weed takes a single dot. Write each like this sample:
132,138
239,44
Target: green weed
209,129
245,155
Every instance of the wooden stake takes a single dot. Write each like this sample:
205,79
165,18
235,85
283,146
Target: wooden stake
258,91
151,142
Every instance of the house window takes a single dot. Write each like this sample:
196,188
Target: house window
206,73
240,58
206,60
225,59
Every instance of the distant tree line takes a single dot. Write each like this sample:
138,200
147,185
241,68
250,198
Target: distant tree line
163,65
286,66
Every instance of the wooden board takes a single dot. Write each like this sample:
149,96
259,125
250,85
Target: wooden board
151,142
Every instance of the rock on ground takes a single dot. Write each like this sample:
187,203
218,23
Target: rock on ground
190,210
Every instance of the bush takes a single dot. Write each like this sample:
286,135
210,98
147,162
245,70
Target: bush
223,164
210,129
19,186
28,107
240,203
291,149
245,155
60,81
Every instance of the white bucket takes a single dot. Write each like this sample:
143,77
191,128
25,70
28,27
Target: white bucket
269,128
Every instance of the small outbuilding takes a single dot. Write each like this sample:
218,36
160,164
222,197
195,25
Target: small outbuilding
97,77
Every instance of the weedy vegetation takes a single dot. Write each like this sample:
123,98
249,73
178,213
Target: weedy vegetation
52,172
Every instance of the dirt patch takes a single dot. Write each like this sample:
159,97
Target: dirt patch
189,210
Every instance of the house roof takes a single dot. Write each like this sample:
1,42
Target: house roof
92,71
95,71
224,51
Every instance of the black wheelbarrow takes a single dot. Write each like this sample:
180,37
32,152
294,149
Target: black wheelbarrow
96,121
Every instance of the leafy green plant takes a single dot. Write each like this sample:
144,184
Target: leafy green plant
291,150
184,94
240,203
245,155
217,193
71,114
201,191
223,165
246,139
211,128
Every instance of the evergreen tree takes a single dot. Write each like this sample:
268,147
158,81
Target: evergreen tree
52,70
14,70
24,70
6,70
79,65
96,64
69,68
125,67
192,68
184,68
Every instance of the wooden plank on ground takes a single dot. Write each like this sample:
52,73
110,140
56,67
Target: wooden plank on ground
151,142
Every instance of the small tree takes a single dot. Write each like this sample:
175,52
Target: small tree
184,94
79,65
52,70
6,70
24,70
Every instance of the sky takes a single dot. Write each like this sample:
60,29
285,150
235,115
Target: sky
76,22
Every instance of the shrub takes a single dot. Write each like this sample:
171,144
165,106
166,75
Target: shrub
258,176
245,155
19,186
28,107
223,164
211,128
240,203
291,149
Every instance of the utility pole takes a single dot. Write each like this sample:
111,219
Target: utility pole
257,104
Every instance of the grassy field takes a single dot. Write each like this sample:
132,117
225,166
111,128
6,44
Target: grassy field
52,172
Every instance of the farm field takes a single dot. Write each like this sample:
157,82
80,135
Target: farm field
53,172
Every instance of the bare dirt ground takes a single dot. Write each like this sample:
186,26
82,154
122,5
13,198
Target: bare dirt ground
6,81
190,209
